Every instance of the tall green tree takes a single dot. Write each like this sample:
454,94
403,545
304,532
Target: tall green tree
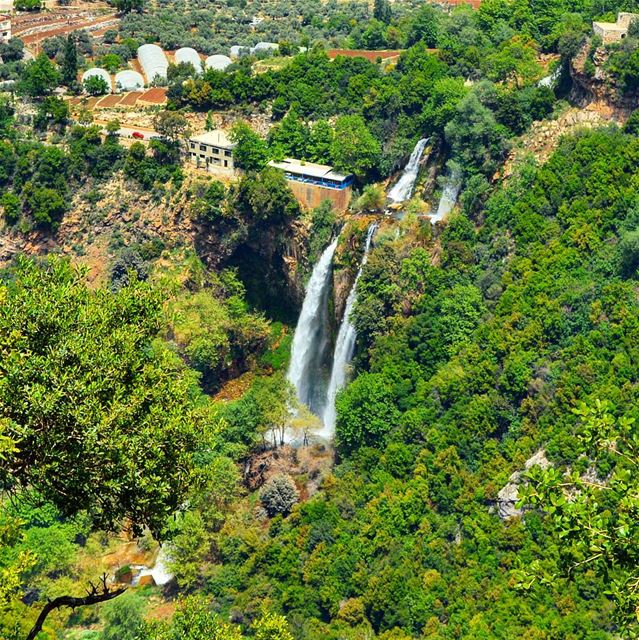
69,69
251,152
39,77
354,148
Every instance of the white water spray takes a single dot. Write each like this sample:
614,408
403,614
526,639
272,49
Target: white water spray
403,188
344,347
449,197
550,80
311,337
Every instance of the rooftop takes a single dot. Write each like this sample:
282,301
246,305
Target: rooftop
323,171
611,26
215,138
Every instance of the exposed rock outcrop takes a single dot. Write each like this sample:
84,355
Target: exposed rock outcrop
507,498
599,87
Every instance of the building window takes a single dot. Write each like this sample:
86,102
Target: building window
226,163
192,145
202,147
227,153
215,150
202,156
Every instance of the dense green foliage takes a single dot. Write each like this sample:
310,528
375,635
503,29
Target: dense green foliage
156,404
105,439
465,369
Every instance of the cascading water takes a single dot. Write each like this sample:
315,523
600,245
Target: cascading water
344,347
449,197
311,339
403,188
550,80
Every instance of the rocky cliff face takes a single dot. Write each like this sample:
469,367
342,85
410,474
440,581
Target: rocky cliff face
598,87
346,263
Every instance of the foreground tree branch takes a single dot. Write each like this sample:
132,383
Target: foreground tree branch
96,594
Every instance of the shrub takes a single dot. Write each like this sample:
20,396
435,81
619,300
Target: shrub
279,495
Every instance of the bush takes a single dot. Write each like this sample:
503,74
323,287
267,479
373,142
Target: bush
10,204
127,262
279,495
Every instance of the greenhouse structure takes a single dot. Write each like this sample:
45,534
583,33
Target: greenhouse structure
153,61
100,73
128,80
187,54
218,62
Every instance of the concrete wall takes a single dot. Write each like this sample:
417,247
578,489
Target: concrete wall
311,195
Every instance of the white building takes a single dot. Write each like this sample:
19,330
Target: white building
614,31
5,28
212,151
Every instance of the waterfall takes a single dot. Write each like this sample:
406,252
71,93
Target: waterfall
344,347
449,197
403,188
310,340
550,80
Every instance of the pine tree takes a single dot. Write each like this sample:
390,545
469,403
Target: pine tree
382,11
70,62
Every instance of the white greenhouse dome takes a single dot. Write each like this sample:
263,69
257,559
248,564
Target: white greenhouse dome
187,54
218,62
237,51
100,73
265,46
128,80
153,61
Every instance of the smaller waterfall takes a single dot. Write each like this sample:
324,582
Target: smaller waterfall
449,197
550,80
311,338
344,347
403,188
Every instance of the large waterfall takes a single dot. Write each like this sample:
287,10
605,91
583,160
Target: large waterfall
449,197
311,339
403,188
344,347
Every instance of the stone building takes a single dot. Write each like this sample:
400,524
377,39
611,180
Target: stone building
614,31
312,183
212,151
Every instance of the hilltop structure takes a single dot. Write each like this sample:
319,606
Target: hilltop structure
5,28
614,31
212,151
312,183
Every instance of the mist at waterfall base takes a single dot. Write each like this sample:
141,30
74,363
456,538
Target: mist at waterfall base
311,339
403,188
449,197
